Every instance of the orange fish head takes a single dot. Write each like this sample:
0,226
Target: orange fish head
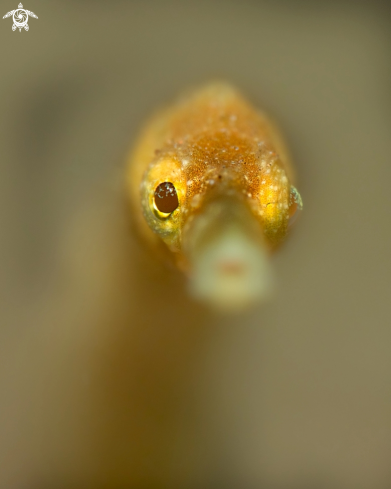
216,188
220,203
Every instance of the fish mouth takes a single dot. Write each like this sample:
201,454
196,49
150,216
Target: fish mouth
229,266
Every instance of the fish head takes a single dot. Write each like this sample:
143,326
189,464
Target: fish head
221,201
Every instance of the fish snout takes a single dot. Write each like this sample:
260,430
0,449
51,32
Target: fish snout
227,254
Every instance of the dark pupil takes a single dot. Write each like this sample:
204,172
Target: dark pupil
166,198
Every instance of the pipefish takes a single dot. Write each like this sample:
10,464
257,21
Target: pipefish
210,185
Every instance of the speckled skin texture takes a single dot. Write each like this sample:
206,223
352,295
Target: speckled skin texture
210,143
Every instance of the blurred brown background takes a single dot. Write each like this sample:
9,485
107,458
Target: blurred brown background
109,375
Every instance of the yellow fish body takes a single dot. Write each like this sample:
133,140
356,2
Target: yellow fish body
211,184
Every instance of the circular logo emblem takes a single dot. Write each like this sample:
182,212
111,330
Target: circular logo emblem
20,18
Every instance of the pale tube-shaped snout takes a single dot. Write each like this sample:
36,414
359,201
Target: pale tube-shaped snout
228,256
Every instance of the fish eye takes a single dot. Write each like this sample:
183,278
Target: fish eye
295,205
165,199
